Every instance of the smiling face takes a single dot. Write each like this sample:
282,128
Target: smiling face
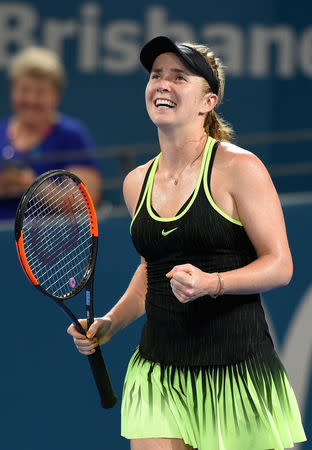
34,99
175,96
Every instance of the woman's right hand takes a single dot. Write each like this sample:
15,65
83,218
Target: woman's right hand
99,333
14,181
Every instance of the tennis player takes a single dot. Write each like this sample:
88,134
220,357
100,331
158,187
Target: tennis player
209,227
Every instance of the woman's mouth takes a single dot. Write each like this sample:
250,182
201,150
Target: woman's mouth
164,102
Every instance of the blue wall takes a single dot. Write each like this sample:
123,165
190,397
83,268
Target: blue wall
266,47
48,399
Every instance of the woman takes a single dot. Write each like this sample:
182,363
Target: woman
209,227
37,138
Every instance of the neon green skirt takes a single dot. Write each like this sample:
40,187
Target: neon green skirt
244,406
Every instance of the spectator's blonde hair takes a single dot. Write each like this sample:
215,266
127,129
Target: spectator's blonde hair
214,125
39,62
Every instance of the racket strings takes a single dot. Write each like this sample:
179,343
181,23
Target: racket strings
62,260
50,249
72,265
38,201
56,234
38,210
83,220
51,244
60,286
50,212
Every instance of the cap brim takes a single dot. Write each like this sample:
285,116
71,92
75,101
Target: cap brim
156,47
192,58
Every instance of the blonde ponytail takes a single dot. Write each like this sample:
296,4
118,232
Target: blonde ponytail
214,125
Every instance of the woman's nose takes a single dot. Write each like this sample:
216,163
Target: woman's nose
163,88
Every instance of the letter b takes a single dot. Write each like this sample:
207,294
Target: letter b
158,24
17,22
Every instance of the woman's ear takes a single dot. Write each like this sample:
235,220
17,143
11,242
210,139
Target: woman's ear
210,100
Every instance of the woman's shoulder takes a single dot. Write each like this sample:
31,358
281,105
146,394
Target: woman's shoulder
234,152
242,166
72,132
133,184
237,158
69,124
138,174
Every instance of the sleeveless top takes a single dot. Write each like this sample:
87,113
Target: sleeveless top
205,331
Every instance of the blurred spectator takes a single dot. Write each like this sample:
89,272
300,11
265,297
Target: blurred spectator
37,137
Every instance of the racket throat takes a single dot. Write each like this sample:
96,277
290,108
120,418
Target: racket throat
69,314
89,301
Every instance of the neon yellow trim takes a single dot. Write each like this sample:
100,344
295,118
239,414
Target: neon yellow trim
210,199
209,144
143,197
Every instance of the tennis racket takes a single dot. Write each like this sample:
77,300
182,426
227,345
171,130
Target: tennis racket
56,236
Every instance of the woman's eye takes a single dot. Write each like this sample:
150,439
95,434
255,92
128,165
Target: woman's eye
180,77
154,75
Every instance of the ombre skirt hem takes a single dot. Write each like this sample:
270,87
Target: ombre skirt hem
243,406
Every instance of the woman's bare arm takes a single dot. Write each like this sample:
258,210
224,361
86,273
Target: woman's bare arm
261,213
257,205
132,304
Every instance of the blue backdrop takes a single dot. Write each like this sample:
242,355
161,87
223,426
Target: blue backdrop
48,399
266,47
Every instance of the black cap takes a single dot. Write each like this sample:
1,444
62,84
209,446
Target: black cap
191,58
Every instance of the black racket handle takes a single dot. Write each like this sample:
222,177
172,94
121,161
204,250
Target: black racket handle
102,380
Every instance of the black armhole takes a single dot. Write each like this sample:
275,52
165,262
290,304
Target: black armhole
212,157
143,186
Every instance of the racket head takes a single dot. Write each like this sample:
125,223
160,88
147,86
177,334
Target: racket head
56,234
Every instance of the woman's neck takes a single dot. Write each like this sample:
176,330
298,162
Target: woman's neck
180,147
26,135
33,128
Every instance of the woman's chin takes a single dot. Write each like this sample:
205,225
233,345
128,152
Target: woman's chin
31,118
163,121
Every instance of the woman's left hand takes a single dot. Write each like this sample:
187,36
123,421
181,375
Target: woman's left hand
188,282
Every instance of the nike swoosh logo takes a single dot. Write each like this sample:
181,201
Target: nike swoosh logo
165,233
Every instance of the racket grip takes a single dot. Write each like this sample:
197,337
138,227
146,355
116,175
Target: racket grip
102,380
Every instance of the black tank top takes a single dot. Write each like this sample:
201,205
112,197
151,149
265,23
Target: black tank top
205,331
